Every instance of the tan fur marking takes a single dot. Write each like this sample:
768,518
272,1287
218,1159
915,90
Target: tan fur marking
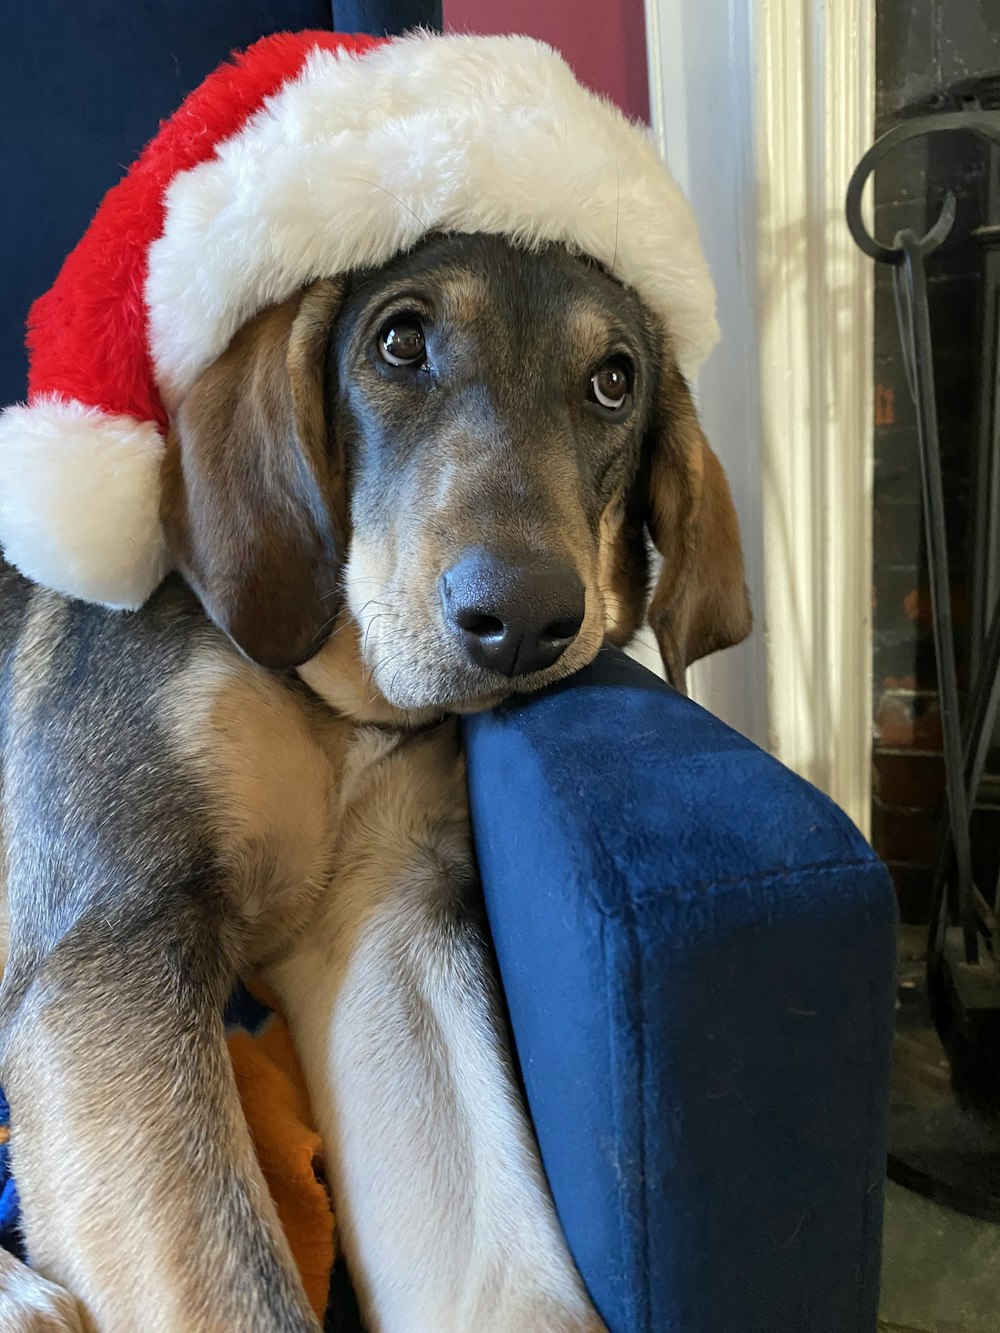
467,296
608,572
44,624
271,769
32,664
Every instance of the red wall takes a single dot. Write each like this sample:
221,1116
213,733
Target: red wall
605,43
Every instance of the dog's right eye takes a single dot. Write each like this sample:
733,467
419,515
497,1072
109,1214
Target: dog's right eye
401,341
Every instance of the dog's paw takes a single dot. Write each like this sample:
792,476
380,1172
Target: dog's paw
30,1304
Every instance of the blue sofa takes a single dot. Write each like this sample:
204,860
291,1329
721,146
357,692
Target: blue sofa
696,947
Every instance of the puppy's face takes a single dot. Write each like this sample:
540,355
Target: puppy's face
491,406
430,486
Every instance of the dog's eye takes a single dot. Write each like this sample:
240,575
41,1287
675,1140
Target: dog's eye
610,384
401,341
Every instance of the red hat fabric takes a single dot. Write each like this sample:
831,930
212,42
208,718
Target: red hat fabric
308,154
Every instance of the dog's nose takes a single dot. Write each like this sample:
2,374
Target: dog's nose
513,618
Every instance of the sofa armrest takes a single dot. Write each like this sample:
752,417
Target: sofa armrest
697,950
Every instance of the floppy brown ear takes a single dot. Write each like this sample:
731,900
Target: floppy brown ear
700,602
253,494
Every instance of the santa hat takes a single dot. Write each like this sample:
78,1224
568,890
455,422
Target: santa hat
309,154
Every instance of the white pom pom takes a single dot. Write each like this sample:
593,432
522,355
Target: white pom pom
80,501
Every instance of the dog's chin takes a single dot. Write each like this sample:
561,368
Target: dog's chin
474,691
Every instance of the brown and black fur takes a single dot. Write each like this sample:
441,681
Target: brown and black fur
181,807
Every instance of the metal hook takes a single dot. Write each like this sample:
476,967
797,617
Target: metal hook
981,123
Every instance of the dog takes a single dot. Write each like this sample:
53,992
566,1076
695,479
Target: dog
429,486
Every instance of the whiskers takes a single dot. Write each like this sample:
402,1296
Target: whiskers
380,666
349,619
609,598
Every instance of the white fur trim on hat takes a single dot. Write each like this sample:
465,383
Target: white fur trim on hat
79,500
356,159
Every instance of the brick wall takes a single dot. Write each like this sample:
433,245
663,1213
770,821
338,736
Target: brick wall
922,47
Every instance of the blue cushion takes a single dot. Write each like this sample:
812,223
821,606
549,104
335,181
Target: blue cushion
697,952
10,1208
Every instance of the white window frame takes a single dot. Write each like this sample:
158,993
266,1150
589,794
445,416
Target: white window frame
761,109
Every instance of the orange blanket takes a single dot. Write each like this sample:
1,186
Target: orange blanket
276,1106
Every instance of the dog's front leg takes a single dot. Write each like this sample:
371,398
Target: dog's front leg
140,1191
442,1206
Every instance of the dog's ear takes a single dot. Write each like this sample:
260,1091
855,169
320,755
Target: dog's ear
700,601
253,490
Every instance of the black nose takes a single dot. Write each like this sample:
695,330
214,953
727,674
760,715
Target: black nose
513,617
